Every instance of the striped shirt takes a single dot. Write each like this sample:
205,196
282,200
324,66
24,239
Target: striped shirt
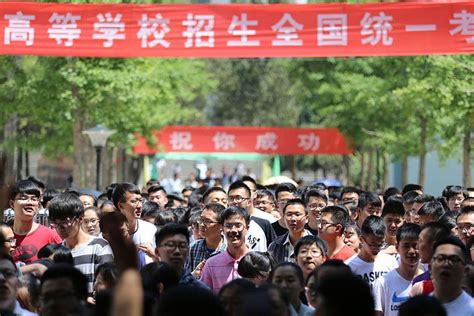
200,252
88,257
282,249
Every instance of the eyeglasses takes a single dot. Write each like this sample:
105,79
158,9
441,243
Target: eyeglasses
465,227
64,223
452,260
92,221
313,252
256,203
171,245
238,226
314,206
205,222
26,198
8,273
324,224
373,246
237,199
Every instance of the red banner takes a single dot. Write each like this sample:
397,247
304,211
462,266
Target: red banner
264,140
208,31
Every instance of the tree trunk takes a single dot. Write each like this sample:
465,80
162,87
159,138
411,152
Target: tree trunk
422,162
386,170
466,161
371,170
79,146
362,170
405,170
346,163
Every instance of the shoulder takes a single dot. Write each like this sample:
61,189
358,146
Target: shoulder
217,259
100,242
146,225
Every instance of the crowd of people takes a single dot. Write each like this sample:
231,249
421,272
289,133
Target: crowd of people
242,250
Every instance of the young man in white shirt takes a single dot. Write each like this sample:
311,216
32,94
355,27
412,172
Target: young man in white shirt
447,268
391,290
371,264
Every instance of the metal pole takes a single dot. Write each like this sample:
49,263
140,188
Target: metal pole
98,150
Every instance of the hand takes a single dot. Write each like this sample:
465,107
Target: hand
90,300
197,272
147,249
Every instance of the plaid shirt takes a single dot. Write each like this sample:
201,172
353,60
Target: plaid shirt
200,252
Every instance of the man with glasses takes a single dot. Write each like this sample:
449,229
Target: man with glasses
66,213
465,223
332,225
371,264
296,217
172,248
128,200
265,200
9,288
29,236
212,242
447,267
315,200
222,268
260,233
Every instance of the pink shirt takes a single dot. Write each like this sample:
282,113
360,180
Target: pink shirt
220,270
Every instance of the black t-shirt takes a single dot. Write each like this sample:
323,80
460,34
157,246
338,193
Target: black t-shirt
313,231
279,230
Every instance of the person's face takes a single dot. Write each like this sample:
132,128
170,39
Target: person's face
57,297
100,285
8,284
25,206
158,197
415,218
315,205
265,203
392,223
174,251
372,244
235,230
295,218
366,211
239,197
350,196
10,242
408,251
231,301
287,280
351,239
309,257
425,246
311,295
132,206
67,227
253,189
282,198
86,200
447,265
465,226
454,203
278,304
327,229
186,194
209,226
90,223
218,197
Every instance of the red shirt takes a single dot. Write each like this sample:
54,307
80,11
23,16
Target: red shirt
27,246
345,253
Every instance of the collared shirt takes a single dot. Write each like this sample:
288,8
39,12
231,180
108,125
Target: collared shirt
282,249
220,270
199,252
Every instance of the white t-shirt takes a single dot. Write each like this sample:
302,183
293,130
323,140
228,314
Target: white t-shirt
256,237
145,234
259,213
371,271
390,291
463,305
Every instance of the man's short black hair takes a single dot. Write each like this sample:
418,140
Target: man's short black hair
285,187
26,187
249,179
298,271
339,215
65,205
455,190
150,209
215,207
373,225
211,190
118,194
393,205
40,184
433,208
171,229
266,192
449,219
436,231
187,188
424,198
239,184
156,188
369,198
350,190
295,202
315,193
234,211
455,241
408,231
466,210
392,191
411,187
410,197
422,305
66,271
